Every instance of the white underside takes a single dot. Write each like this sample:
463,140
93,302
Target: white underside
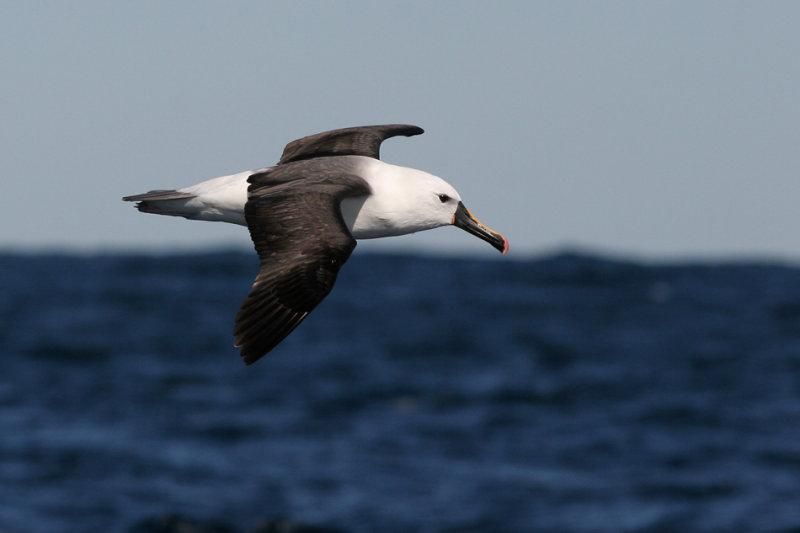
219,200
393,208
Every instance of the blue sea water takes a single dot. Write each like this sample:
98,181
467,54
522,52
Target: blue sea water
561,393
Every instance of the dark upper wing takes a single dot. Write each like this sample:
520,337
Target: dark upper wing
302,240
362,140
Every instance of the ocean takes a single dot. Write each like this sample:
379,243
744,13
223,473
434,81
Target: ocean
569,392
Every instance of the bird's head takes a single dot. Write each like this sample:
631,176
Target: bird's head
442,204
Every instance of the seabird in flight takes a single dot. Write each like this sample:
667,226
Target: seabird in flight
305,214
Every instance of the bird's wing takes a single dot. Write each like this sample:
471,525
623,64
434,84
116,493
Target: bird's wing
362,140
302,240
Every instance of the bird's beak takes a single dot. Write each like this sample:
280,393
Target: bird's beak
466,221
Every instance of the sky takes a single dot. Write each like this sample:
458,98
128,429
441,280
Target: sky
660,129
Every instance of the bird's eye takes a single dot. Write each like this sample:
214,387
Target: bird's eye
444,198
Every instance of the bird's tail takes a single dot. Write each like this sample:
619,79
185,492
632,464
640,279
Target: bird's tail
162,202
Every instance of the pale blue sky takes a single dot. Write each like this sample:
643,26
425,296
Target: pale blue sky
654,128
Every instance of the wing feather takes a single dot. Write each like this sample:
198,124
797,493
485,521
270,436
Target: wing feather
361,140
297,228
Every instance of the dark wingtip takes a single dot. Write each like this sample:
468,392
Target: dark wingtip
248,358
393,130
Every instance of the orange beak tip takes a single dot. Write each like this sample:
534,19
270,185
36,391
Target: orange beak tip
505,246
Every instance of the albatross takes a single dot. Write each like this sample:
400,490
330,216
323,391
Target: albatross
305,214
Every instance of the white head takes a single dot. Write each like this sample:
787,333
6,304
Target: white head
428,200
406,200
